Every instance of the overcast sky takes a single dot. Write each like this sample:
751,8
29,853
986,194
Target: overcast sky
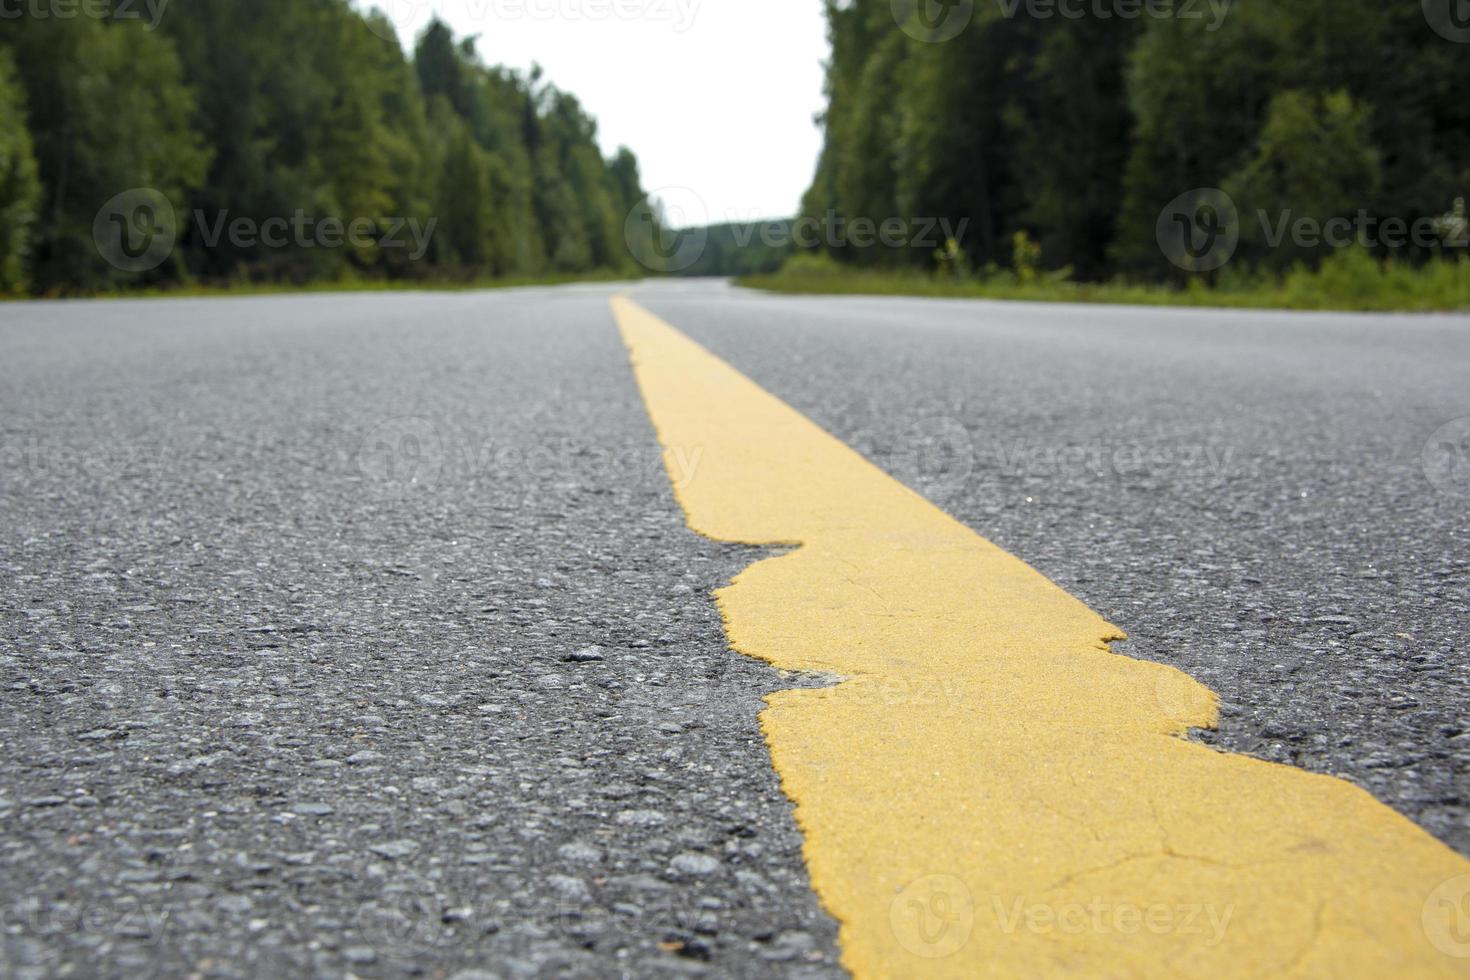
716,96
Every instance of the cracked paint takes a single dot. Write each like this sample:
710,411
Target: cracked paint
1036,810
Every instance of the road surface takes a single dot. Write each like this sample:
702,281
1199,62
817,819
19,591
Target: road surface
363,634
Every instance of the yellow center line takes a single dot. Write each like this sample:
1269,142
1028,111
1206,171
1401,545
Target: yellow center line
991,791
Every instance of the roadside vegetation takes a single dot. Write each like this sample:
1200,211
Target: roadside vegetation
1349,280
239,133
343,285
1058,147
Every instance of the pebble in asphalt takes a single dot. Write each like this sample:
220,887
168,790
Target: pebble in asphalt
361,635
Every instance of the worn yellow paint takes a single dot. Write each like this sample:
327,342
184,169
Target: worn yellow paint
991,791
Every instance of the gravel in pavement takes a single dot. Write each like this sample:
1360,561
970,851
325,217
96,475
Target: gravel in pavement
361,635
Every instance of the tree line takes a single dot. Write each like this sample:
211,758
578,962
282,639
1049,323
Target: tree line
240,118
1076,133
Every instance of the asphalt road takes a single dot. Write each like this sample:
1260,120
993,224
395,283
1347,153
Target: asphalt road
362,634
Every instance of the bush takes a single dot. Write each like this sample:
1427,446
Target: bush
813,265
1351,279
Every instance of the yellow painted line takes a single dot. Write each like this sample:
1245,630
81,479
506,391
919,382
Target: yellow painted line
992,791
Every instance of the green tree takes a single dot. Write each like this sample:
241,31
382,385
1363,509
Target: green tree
290,113
1078,131
1314,159
109,112
20,187
463,185
297,98
626,183
1202,99
1069,123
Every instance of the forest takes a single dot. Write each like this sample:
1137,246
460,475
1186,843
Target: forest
289,141
296,142
1064,139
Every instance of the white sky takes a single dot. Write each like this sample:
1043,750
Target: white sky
714,96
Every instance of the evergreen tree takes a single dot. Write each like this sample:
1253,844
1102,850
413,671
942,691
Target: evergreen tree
109,113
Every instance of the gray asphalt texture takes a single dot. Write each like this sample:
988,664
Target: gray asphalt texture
361,635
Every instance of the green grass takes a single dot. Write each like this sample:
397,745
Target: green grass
1349,280
199,289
